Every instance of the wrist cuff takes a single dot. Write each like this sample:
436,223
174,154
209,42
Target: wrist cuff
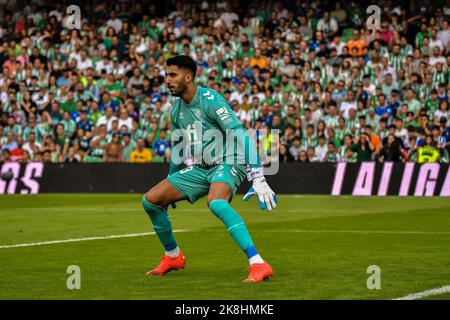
256,173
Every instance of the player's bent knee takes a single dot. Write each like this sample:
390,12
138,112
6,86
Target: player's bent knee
150,206
153,198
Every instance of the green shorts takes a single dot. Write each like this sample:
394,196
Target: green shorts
193,182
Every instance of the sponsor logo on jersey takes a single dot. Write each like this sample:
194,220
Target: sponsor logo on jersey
198,113
224,115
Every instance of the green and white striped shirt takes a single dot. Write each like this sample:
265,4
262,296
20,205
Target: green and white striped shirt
396,61
439,77
331,121
228,73
309,142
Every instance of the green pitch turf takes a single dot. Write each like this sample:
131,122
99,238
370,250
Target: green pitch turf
319,246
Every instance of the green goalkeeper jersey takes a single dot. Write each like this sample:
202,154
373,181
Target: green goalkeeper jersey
206,115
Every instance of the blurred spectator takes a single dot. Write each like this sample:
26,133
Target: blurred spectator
295,149
363,148
161,147
6,155
128,146
113,150
428,152
321,149
303,157
331,155
391,150
31,147
285,155
140,154
312,155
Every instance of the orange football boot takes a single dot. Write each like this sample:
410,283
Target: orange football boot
259,272
168,264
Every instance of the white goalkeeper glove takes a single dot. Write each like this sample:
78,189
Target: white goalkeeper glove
266,197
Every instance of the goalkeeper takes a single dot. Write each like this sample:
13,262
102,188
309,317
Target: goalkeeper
198,110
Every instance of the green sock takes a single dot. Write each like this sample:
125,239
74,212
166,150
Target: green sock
161,224
234,223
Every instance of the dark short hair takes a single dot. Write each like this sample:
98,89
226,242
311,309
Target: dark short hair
184,62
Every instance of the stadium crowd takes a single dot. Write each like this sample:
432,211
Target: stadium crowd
335,89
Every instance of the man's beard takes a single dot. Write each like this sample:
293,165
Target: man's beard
180,91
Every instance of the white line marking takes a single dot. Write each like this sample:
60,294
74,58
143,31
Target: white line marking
427,293
43,243
413,296
131,235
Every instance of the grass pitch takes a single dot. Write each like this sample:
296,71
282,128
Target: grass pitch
319,246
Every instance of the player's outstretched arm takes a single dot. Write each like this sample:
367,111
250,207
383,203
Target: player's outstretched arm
266,197
220,111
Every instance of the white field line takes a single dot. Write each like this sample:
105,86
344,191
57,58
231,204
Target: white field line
43,243
131,235
413,296
427,293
